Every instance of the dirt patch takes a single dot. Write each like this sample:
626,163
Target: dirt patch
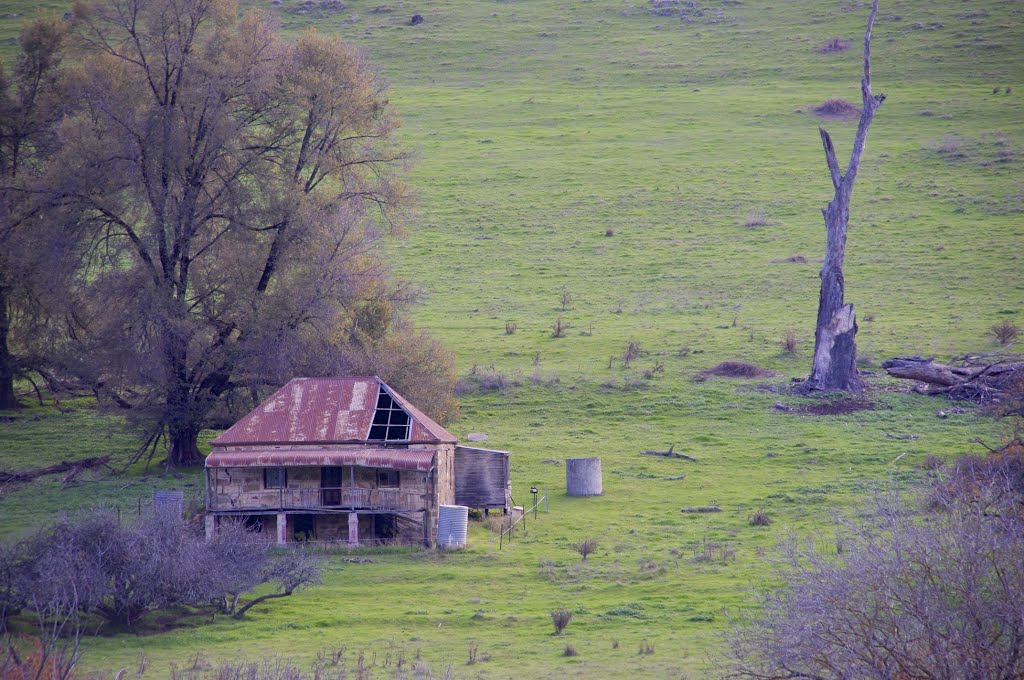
737,369
835,408
837,108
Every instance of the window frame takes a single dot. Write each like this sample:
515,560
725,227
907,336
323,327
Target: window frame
283,471
383,477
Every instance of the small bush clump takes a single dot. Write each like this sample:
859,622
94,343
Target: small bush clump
834,44
560,618
585,547
789,343
1004,333
570,651
760,519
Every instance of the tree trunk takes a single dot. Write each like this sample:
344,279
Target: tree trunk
8,364
183,447
835,345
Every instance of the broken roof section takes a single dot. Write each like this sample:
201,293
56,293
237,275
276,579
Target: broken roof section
334,411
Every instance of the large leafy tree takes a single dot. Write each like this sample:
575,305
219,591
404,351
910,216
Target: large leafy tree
31,106
235,189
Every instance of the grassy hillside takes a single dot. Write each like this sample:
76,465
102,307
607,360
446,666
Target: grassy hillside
593,147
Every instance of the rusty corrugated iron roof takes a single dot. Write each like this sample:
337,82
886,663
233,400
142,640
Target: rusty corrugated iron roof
325,411
395,459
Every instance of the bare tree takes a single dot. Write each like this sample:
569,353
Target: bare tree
938,596
236,188
835,346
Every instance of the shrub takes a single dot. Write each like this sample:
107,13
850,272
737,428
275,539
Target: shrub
909,598
760,519
1005,332
789,343
560,618
559,328
511,328
646,648
570,651
585,547
565,297
834,44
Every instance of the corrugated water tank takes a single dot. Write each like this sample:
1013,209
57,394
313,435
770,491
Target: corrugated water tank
452,525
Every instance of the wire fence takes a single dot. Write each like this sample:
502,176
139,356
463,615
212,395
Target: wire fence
507,533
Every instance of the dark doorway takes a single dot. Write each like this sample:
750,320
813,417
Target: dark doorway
330,485
303,527
385,527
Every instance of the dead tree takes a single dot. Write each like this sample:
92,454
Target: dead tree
971,378
835,346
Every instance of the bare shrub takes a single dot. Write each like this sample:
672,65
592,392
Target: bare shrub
756,218
760,519
585,547
1005,332
789,342
565,296
646,648
511,328
834,44
837,108
560,618
570,651
484,381
632,352
906,598
559,328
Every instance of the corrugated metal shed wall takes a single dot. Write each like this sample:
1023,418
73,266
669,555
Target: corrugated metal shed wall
481,477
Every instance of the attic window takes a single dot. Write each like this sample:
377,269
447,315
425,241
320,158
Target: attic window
390,421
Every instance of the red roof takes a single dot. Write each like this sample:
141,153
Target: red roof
326,411
395,459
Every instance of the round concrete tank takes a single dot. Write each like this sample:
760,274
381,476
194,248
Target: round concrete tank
452,523
583,476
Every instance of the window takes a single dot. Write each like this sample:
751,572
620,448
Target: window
390,421
275,478
387,478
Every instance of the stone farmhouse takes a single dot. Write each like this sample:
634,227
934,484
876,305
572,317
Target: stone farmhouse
346,460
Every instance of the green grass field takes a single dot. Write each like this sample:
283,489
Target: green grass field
592,147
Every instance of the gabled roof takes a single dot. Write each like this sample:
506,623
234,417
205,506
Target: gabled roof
326,411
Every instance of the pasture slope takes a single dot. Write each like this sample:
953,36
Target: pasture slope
598,148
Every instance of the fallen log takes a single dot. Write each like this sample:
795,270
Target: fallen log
668,454
73,467
980,379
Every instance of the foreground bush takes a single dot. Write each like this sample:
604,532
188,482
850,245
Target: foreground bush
66,581
915,594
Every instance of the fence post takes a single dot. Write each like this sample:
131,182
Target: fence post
546,509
